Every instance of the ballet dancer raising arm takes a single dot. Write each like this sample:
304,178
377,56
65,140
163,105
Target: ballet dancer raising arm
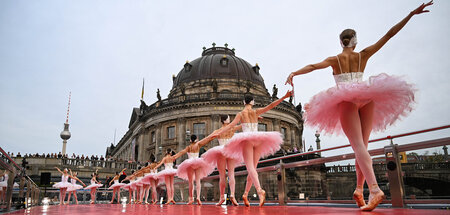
356,107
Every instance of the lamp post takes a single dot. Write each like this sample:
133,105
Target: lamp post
318,142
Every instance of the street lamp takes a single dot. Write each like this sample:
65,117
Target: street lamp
318,142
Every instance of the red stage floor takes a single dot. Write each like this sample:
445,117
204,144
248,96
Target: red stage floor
107,209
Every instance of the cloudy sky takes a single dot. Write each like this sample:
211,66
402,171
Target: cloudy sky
101,50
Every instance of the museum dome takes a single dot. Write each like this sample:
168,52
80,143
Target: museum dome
218,63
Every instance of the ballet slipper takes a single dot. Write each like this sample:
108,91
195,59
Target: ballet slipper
262,197
358,196
220,202
168,202
246,202
173,202
199,202
191,200
233,201
375,198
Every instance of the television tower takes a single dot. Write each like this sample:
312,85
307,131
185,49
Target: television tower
65,134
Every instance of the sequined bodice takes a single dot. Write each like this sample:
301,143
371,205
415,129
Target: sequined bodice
249,127
223,142
168,165
192,154
348,77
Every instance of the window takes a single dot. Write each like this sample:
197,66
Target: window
262,127
171,132
283,132
153,137
200,130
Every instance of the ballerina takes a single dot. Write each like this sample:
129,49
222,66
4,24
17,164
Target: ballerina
195,167
116,186
74,186
216,157
3,186
168,173
93,186
63,185
130,187
359,107
151,178
252,145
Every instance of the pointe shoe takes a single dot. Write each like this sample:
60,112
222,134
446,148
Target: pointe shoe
199,202
262,197
359,198
168,202
246,202
374,200
233,201
173,202
190,201
220,202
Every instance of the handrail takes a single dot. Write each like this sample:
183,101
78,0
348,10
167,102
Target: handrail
9,158
347,145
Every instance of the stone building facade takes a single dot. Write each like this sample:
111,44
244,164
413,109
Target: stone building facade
205,88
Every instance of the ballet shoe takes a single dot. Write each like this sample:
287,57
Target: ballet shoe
168,202
359,198
191,200
173,202
246,202
233,201
199,202
374,200
262,197
220,202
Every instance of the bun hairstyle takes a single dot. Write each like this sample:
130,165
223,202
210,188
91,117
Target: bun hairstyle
132,171
193,138
117,173
248,98
152,158
346,36
168,151
223,118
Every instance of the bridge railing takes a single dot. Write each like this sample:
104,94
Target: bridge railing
27,192
305,180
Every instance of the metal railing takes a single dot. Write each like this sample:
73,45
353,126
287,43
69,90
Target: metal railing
396,200
28,191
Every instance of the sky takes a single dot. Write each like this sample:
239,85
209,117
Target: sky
101,50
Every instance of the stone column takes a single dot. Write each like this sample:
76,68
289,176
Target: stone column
158,141
293,139
276,125
181,136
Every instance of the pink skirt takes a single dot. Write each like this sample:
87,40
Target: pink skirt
94,186
62,185
212,155
266,142
127,187
393,98
167,172
116,185
194,164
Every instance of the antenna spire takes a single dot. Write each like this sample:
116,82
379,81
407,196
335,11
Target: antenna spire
68,108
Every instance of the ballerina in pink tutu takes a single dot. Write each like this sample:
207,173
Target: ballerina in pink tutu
359,107
63,185
151,178
74,186
252,145
195,168
216,157
130,187
116,186
93,186
168,173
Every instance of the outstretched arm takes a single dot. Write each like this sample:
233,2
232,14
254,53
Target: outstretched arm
79,181
309,68
235,121
182,152
260,111
160,163
59,170
208,139
369,51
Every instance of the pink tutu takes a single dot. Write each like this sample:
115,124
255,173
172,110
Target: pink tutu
116,185
195,164
166,172
94,186
62,185
74,187
393,98
127,187
212,155
266,142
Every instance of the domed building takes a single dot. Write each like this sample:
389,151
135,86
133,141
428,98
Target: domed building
205,88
